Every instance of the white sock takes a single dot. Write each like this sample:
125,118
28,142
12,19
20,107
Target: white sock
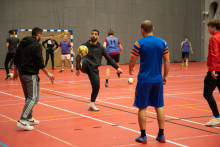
91,103
62,69
186,62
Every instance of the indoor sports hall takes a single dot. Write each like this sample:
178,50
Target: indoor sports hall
62,109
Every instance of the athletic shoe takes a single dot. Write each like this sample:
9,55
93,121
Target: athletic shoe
71,70
187,65
182,64
53,68
161,139
213,121
118,74
32,121
24,125
92,107
78,62
61,70
142,139
7,76
106,84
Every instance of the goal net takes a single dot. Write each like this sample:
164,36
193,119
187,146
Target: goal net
58,36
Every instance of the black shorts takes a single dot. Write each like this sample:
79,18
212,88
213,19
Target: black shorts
115,57
185,54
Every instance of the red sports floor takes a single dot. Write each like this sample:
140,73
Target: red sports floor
65,120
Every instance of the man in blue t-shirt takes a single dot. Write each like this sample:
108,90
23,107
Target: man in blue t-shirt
185,46
149,89
114,49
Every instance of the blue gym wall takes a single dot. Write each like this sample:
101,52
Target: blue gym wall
173,21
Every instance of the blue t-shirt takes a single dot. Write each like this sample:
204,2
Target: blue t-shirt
151,50
186,46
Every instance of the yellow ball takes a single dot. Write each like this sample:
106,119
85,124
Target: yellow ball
83,50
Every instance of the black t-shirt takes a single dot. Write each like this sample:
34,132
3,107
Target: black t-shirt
13,44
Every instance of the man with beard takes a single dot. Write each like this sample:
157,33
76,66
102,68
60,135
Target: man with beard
28,61
89,64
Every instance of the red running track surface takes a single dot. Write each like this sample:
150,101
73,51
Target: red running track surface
65,120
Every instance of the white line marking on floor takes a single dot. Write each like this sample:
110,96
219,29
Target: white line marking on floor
42,132
95,119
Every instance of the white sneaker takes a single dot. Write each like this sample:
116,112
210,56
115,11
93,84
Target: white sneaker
92,107
213,121
32,121
24,125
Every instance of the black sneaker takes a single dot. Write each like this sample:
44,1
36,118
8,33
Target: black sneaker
71,70
78,62
118,74
53,68
106,84
61,70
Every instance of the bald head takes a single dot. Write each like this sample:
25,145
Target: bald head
147,26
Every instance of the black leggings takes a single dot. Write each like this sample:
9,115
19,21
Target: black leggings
51,56
93,77
8,58
209,86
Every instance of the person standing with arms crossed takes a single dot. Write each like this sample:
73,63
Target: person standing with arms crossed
12,44
114,49
149,89
184,49
212,79
50,49
65,51
28,61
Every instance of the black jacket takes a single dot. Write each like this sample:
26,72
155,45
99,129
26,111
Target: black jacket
95,55
50,44
28,58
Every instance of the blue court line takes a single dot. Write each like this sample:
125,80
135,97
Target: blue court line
3,144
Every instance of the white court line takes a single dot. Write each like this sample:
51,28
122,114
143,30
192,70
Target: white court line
42,132
128,107
135,144
80,117
194,137
12,104
95,119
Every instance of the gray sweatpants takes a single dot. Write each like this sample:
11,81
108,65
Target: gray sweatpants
30,85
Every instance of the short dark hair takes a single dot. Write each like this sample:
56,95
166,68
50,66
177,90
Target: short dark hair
187,37
36,31
11,32
147,26
52,35
95,31
214,23
110,32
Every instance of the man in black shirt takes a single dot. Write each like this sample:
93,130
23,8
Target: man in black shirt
11,43
50,49
28,61
89,64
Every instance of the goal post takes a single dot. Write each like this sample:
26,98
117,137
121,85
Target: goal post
58,36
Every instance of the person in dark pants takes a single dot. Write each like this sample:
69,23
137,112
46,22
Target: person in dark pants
11,43
28,61
212,79
89,64
50,49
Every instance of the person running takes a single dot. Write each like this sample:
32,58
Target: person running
65,51
149,89
212,79
50,49
184,49
12,44
114,49
28,61
89,64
